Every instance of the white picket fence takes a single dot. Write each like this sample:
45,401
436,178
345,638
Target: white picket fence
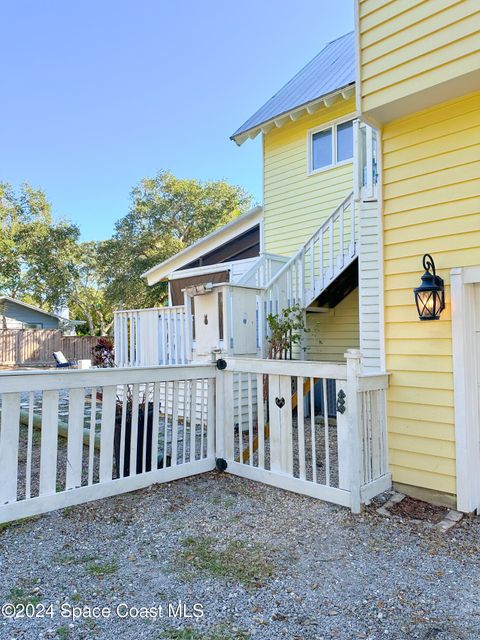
126,429
294,439
151,337
73,436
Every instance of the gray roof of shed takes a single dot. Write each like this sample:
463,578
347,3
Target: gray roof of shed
332,69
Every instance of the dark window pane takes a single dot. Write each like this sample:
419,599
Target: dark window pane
322,149
345,141
220,315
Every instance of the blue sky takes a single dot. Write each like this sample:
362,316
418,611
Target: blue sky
98,94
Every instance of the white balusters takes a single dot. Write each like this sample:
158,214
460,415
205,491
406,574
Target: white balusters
150,337
48,442
107,434
76,415
353,242
301,428
9,447
92,433
319,260
341,243
28,471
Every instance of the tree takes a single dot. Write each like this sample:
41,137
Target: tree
167,214
37,254
43,262
87,300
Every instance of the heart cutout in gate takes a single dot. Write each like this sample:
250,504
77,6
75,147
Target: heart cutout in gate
279,402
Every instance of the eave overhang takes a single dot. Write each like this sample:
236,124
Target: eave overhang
296,113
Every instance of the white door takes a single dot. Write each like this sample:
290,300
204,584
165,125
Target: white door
207,323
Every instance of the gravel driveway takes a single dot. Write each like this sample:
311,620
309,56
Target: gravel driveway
244,561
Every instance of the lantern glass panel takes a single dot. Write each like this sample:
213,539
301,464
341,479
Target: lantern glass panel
429,304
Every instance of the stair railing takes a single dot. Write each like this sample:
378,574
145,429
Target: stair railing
328,251
263,270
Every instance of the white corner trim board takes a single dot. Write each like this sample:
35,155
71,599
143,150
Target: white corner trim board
465,299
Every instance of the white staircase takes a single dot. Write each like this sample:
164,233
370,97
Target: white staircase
317,263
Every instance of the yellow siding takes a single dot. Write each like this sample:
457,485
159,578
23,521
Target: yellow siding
331,334
410,46
431,188
296,203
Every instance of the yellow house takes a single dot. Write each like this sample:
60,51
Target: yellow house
312,161
371,159
418,83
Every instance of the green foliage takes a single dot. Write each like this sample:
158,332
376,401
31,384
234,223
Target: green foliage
167,214
102,569
37,254
18,595
285,330
13,524
63,633
43,262
218,632
237,561
87,297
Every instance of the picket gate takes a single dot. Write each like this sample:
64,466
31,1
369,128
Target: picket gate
119,436
296,440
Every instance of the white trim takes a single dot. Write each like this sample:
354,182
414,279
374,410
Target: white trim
289,483
465,384
332,124
262,237
60,500
471,275
199,271
294,114
358,75
381,265
208,243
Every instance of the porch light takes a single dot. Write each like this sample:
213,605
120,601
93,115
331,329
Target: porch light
430,295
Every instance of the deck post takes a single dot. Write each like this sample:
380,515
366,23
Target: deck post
354,427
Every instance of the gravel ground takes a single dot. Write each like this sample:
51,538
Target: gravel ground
260,563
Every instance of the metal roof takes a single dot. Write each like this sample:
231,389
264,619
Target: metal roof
331,70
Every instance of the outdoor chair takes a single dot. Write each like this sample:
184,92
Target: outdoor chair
61,362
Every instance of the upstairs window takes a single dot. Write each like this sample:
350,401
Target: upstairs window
330,146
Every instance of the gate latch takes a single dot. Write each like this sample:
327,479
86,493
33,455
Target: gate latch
341,401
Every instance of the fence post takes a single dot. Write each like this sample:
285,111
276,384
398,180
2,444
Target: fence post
219,412
354,427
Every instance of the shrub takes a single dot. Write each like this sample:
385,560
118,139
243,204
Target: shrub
102,353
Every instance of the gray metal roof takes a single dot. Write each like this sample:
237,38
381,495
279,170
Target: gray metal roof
332,69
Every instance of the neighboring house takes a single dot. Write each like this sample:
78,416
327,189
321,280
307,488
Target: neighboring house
370,160
15,314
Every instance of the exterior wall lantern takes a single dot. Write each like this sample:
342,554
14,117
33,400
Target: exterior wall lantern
430,295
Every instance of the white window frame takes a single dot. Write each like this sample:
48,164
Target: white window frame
333,124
